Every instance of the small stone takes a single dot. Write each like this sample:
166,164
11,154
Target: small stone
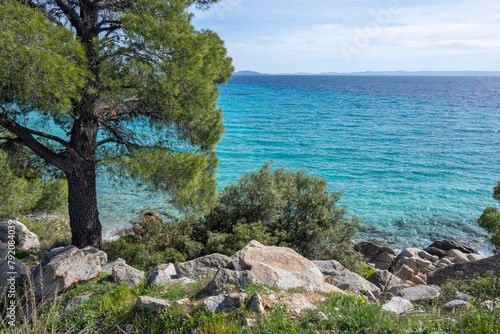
75,302
322,316
163,274
491,305
463,296
422,292
184,280
129,327
256,305
153,304
184,301
125,274
225,303
398,306
108,267
249,322
456,304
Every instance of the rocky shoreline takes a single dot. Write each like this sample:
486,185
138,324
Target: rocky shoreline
399,280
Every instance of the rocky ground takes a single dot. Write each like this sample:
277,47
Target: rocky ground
254,282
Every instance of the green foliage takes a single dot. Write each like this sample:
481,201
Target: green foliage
490,219
291,208
479,321
42,65
173,73
24,187
155,242
280,322
136,76
482,287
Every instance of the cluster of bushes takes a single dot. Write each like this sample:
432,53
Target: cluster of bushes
280,207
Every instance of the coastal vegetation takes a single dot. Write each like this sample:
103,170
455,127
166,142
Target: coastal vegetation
281,207
130,85
490,220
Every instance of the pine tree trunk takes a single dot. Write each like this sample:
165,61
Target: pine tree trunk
86,229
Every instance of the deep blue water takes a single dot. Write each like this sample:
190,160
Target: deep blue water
417,157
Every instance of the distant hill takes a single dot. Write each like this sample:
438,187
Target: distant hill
249,73
394,73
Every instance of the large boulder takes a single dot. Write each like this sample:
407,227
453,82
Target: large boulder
62,267
339,276
24,239
447,245
202,266
163,274
380,256
224,277
279,267
13,274
125,274
468,270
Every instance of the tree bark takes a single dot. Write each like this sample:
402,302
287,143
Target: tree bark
86,229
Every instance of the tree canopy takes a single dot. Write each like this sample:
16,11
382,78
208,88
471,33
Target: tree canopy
130,85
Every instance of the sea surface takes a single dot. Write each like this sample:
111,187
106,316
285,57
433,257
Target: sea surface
417,157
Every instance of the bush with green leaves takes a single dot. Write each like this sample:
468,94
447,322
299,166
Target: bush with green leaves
289,208
490,219
26,185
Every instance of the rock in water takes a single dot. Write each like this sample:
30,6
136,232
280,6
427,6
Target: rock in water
447,245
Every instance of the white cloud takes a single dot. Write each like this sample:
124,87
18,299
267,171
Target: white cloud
314,33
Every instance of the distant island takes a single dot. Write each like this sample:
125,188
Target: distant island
394,73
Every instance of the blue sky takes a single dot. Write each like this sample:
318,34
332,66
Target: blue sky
285,36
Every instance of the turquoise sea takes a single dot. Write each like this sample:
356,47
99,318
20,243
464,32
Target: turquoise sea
417,157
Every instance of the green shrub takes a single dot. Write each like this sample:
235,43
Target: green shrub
155,242
483,287
27,185
285,208
490,219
